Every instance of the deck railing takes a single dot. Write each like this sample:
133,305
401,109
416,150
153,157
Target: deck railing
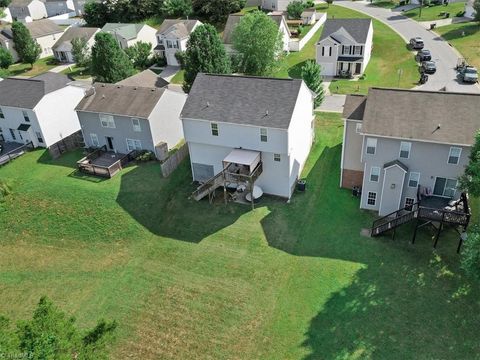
104,171
240,178
13,154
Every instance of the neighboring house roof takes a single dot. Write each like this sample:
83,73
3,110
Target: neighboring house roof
26,93
20,3
121,100
127,31
309,12
354,107
37,29
356,28
266,102
178,28
146,78
396,163
442,117
64,43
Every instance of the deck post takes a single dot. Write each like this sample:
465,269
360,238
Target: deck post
439,231
415,231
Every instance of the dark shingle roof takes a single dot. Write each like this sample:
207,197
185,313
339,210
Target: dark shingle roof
441,117
354,107
244,100
356,28
121,100
37,29
146,78
179,28
26,93
71,33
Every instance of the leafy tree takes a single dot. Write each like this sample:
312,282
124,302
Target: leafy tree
27,48
6,59
110,64
80,52
139,54
217,10
470,180
5,3
51,334
295,9
476,8
258,41
329,2
205,53
312,75
470,261
177,7
96,14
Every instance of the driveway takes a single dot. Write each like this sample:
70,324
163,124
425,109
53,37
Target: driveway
443,54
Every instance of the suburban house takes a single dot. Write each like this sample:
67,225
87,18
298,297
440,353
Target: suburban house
469,10
44,31
146,78
309,16
27,10
126,117
414,148
234,19
62,49
39,109
129,34
58,7
172,37
275,5
260,129
345,46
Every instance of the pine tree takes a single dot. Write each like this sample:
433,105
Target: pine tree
6,58
27,48
312,75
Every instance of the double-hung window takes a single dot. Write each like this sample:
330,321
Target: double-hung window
25,116
39,136
214,127
358,128
133,144
107,121
414,179
374,174
2,116
371,146
454,155
136,125
409,203
450,188
405,148
263,135
276,157
94,139
372,198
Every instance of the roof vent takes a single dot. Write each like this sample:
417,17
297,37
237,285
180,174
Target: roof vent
208,103
103,96
266,112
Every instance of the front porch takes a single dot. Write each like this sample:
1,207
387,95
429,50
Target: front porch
349,66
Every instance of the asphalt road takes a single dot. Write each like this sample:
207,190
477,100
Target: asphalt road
443,54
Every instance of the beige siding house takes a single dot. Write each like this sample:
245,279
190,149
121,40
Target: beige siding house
129,34
62,49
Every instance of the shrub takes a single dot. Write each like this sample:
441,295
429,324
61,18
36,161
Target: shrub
145,156
6,58
470,261
180,56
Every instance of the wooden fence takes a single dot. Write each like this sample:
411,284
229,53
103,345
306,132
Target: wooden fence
172,162
7,157
71,142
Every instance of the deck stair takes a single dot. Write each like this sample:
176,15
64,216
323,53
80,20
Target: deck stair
394,220
208,187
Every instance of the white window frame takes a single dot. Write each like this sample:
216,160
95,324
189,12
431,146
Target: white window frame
453,189
136,127
358,128
107,121
374,198
94,139
263,135
408,145
373,144
133,144
26,117
39,136
452,148
214,128
410,179
406,203
371,173
277,157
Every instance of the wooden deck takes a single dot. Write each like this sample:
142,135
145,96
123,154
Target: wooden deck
104,163
12,150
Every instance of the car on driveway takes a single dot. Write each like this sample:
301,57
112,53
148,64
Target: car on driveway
424,55
416,43
429,67
469,74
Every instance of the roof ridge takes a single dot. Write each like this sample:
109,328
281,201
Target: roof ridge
422,91
252,77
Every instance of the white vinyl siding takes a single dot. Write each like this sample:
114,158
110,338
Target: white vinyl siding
371,146
405,148
454,155
374,174
414,179
94,139
136,125
133,144
107,121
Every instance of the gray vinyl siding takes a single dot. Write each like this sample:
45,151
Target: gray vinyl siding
352,151
90,123
56,8
429,159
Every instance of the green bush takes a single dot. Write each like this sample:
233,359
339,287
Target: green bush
470,261
145,156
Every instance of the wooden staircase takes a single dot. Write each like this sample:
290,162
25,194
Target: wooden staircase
394,220
208,187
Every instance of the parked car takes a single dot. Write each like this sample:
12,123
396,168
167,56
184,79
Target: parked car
424,55
416,43
429,67
469,74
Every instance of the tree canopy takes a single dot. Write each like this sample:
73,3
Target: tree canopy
80,52
205,53
27,48
6,59
110,63
470,261
476,8
258,41
295,9
312,75
470,180
177,7
139,54
217,10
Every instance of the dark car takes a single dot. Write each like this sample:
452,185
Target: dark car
424,55
416,43
429,67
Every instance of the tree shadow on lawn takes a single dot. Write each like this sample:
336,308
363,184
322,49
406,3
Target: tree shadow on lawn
408,301
295,72
454,34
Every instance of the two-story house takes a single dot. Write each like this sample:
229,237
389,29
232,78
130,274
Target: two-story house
45,32
234,19
129,34
416,146
130,117
172,37
39,109
27,10
258,121
345,46
62,49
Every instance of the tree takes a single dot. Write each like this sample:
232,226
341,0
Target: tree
177,7
110,64
470,261
51,334
27,48
295,9
139,54
217,10
205,53
80,52
258,41
470,180
329,2
6,59
5,3
476,8
312,75
95,13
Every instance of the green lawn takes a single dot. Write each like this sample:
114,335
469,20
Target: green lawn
190,280
433,12
465,37
387,4
178,78
389,54
77,72
41,66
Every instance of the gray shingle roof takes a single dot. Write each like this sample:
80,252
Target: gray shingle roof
121,100
442,117
26,93
146,78
266,102
127,31
354,107
64,43
178,28
357,28
37,29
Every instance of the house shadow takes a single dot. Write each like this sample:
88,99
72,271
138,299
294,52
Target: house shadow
67,159
163,207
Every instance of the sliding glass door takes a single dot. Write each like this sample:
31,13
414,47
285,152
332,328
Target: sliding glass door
445,187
